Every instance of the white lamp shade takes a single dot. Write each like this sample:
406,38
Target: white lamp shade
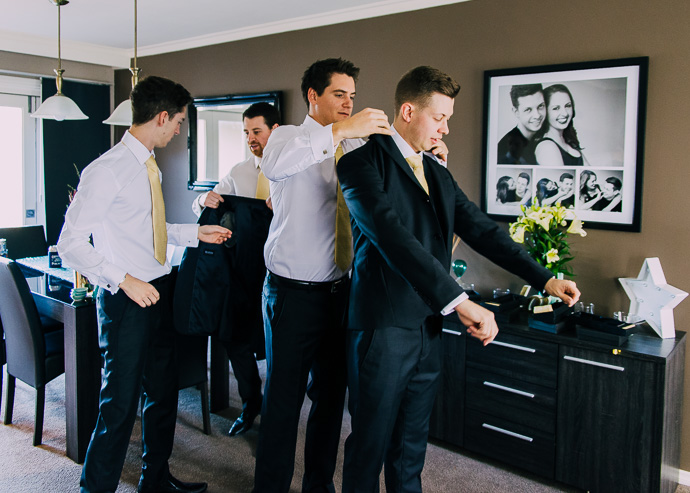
59,107
122,114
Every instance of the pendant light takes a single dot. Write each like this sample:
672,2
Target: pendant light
123,113
59,107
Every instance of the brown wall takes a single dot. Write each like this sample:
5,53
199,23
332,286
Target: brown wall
38,65
465,40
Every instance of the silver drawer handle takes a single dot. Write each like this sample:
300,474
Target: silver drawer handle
513,346
454,332
594,363
509,389
506,432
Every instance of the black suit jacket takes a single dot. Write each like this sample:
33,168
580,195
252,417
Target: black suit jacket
403,238
218,288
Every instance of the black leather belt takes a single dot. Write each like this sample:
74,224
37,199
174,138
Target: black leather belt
332,286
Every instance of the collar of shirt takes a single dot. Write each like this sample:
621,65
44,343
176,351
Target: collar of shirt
405,148
257,162
141,153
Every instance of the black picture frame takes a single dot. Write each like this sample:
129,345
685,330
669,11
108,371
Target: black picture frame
608,111
240,102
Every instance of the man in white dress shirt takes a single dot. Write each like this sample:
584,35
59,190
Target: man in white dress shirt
259,120
305,293
119,202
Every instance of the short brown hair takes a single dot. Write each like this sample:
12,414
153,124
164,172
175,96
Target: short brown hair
155,94
318,75
419,84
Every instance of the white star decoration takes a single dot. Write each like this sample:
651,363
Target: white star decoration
652,299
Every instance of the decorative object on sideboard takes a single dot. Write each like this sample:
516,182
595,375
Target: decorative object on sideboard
652,298
458,268
59,107
544,231
123,113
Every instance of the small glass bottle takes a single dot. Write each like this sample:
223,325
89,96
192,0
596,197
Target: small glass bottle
54,260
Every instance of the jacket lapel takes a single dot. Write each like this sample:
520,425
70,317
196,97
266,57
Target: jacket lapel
388,145
433,173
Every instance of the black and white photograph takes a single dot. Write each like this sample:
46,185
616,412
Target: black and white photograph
548,122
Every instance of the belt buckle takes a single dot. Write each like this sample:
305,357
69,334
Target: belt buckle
336,285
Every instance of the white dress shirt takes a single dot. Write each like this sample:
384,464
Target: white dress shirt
241,181
113,203
407,151
299,161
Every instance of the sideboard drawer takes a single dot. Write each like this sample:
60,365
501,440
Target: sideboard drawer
522,446
516,357
514,400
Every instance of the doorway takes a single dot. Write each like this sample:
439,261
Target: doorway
21,191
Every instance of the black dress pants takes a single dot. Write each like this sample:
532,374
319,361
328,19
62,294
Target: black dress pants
139,354
393,376
246,372
305,336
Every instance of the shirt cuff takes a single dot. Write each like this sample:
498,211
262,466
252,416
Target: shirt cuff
189,236
451,306
197,204
321,140
112,276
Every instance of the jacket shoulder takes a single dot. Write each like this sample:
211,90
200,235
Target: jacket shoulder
367,151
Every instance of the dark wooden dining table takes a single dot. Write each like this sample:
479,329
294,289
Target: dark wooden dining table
51,290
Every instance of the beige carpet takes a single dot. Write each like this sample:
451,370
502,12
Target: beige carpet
227,464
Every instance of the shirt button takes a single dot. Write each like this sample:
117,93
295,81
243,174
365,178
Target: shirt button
325,151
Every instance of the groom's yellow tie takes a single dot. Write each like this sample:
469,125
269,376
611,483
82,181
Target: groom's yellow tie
160,233
415,163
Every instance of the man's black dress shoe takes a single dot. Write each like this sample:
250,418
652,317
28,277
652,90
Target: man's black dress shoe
243,423
173,485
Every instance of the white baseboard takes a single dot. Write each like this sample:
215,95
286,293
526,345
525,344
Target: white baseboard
684,477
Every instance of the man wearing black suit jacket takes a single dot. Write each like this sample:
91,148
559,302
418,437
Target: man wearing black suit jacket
403,225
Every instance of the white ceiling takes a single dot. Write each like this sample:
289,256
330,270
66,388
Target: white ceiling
102,31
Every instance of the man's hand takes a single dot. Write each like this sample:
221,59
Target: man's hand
565,290
479,321
269,203
213,200
363,124
213,234
142,293
440,150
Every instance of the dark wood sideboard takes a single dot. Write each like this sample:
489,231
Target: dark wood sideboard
590,415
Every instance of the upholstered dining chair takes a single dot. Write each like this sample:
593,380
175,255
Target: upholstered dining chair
34,344
192,370
191,352
3,358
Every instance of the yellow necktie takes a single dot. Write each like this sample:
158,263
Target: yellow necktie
343,230
160,233
415,163
263,189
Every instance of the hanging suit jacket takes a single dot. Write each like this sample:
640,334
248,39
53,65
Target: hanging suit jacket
403,237
218,289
